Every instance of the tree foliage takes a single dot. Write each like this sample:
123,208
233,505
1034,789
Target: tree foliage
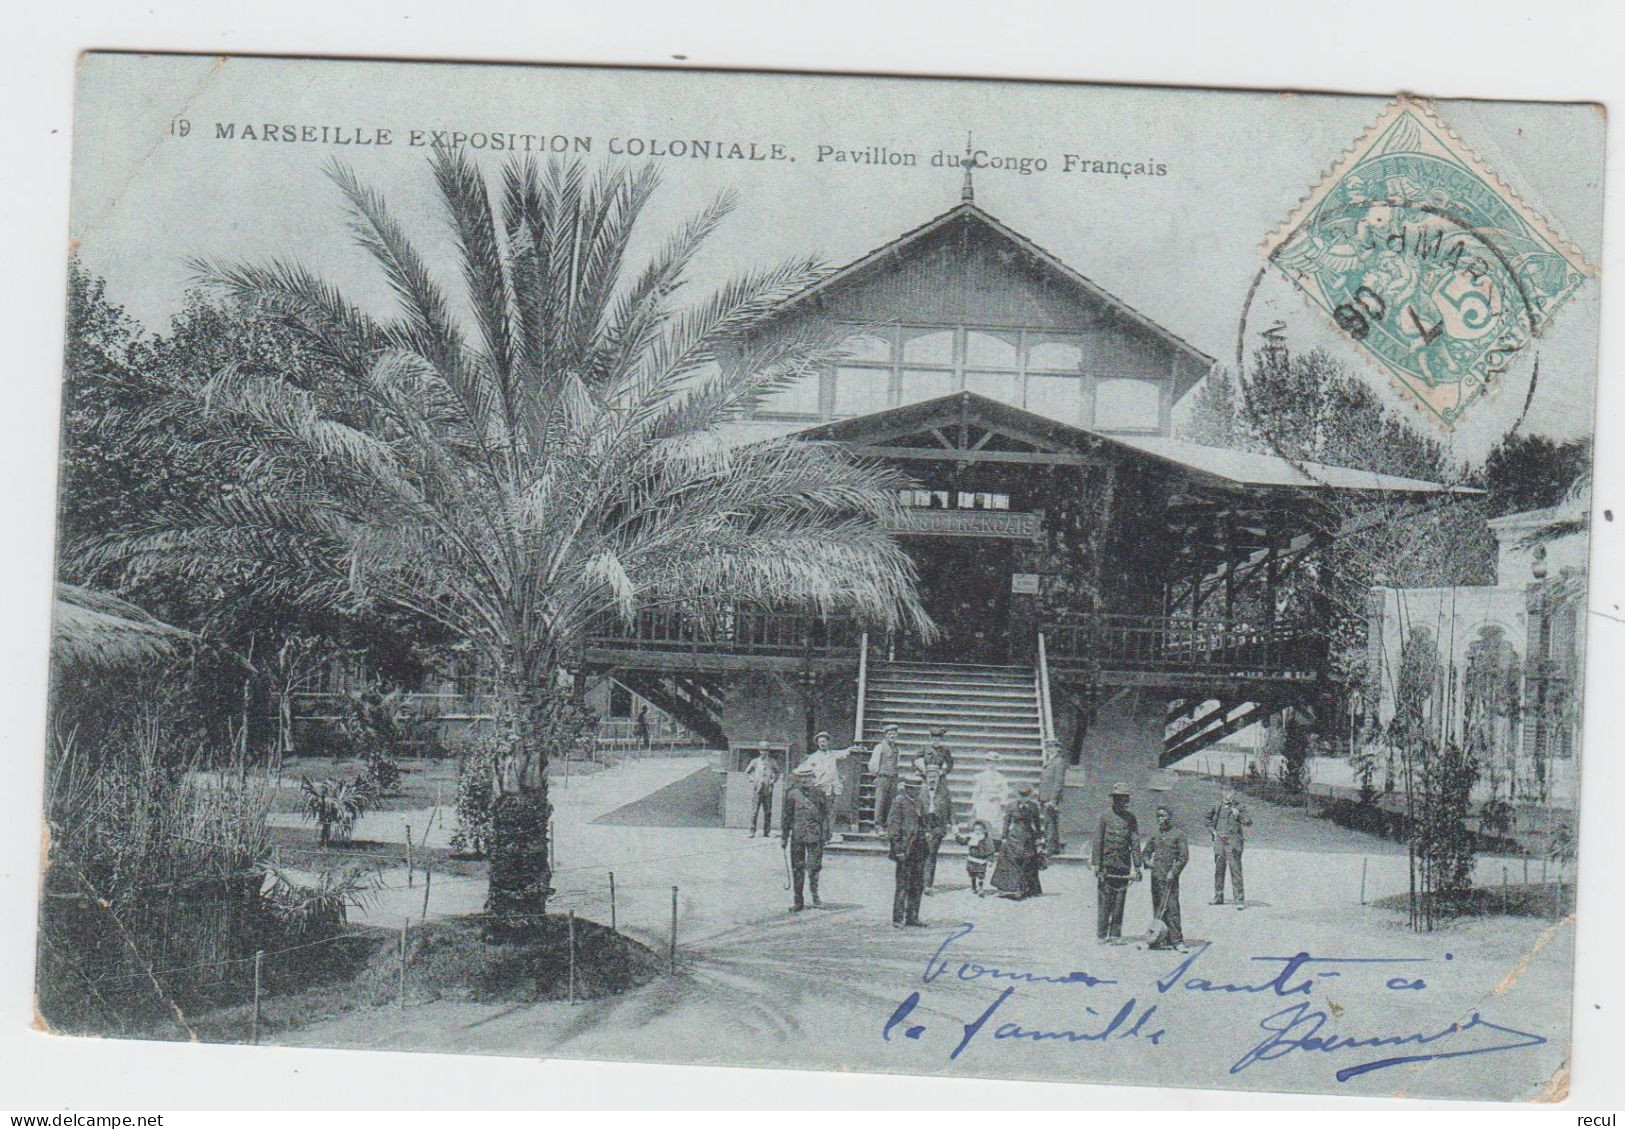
513,475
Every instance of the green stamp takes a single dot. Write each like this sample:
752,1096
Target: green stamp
1427,261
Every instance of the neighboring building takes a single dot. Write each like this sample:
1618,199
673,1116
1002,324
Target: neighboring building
1505,658
1094,578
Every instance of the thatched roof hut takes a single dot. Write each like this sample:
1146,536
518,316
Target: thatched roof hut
96,630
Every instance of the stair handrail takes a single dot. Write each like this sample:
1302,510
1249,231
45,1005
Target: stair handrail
1047,717
863,683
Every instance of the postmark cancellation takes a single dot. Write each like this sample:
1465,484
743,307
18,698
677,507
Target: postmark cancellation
1427,260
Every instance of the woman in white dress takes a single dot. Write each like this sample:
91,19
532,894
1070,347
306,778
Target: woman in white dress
990,794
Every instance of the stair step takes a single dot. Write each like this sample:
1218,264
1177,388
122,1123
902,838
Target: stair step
997,668
1025,696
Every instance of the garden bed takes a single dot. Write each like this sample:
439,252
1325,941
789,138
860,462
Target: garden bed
446,960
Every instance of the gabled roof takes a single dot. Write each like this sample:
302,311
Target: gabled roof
1217,466
1049,262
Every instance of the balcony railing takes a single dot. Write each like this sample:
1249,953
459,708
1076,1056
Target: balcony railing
740,629
1180,644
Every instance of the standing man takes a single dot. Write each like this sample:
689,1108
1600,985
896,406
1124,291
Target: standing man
1225,823
824,766
762,774
908,844
642,727
805,825
883,767
1117,863
1167,852
1051,785
936,804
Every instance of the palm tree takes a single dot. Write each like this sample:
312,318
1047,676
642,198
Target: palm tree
546,451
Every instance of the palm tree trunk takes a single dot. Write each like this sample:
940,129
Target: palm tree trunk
519,875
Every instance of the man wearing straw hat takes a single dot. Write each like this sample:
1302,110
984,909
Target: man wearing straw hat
1117,862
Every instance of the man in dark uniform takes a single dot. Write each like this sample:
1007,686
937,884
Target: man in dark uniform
1225,823
1051,784
937,802
1167,852
1117,862
803,831
908,844
883,767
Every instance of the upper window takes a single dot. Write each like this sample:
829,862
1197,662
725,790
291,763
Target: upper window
860,391
1047,373
1123,404
797,399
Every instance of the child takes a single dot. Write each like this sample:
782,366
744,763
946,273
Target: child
979,839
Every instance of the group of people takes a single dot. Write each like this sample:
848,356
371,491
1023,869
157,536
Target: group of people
1009,839
1120,857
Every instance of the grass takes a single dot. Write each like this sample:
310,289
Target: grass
1546,900
446,960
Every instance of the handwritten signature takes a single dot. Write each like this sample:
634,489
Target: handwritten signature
1300,1027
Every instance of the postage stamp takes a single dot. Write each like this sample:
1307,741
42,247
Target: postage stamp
1427,260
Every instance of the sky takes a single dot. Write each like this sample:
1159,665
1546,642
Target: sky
157,186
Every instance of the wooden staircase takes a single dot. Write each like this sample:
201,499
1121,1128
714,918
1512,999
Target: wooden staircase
984,709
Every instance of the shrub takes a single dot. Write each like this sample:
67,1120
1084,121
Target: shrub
333,806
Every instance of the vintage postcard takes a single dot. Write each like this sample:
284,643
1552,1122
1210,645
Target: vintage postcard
945,577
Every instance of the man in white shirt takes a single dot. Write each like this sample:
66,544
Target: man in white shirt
823,766
883,767
762,774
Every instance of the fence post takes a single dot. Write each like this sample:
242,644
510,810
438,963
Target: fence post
1363,864
672,956
612,927
400,998
1506,899
409,854
1526,870
572,958
254,1029
428,880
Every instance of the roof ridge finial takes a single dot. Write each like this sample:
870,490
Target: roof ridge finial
967,194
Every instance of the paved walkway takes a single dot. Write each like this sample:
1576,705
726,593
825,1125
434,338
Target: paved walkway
758,985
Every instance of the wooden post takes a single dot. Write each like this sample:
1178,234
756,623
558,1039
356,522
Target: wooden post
612,927
572,958
1363,864
1526,870
400,998
1505,894
672,956
428,880
254,1028
409,854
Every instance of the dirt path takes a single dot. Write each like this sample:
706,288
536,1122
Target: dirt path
757,985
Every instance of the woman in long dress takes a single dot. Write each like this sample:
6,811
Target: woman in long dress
1016,875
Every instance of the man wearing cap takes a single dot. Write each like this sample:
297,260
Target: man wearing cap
883,767
803,832
1166,853
1116,860
908,843
1051,786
